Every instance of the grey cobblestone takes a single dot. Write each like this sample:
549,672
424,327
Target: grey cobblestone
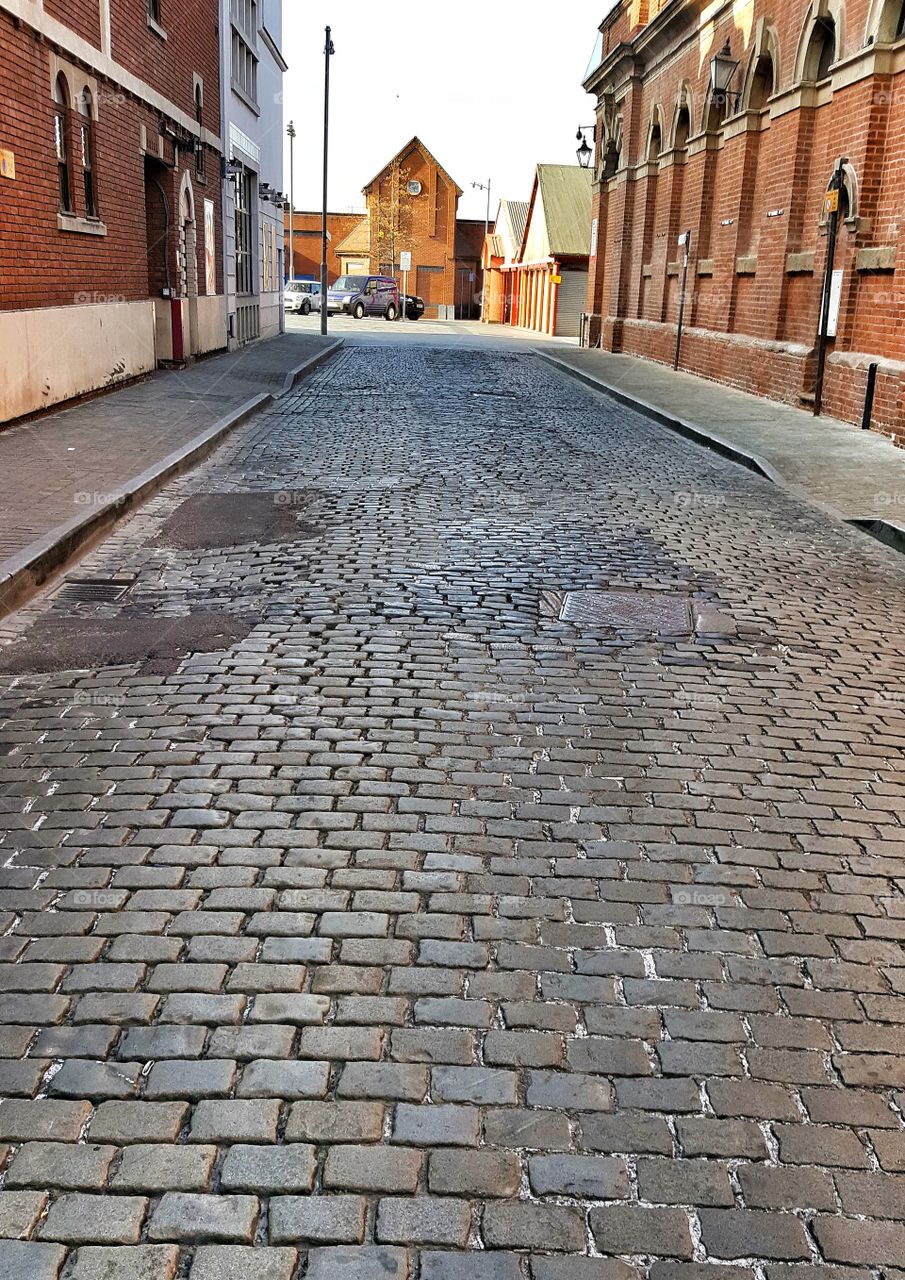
425,933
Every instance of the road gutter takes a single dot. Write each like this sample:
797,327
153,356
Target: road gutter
888,532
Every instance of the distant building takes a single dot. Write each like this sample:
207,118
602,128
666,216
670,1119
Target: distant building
252,114
411,206
501,250
729,123
307,243
545,285
111,226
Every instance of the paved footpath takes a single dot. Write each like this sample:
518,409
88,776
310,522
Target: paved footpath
55,467
414,932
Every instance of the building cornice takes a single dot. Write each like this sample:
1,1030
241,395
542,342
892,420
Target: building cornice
31,13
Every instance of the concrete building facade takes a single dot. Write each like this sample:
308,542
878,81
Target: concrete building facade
110,151
252,114
730,123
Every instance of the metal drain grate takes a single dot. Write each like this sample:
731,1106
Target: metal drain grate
644,611
93,590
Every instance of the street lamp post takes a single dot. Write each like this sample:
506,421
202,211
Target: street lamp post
485,186
328,53
290,129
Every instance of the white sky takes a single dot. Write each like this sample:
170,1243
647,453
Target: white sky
491,89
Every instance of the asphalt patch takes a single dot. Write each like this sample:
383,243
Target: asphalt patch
158,644
212,520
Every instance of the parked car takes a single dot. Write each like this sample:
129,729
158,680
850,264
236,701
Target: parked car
361,296
414,307
302,296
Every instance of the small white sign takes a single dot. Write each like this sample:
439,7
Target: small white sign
835,300
594,226
405,261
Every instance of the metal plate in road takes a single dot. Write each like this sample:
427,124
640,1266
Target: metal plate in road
645,611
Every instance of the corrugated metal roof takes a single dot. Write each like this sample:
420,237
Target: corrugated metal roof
358,240
566,193
517,212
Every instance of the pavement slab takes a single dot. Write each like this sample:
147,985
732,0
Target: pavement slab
422,929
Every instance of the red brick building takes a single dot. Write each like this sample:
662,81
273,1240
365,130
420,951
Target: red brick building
307,242
411,206
745,166
110,193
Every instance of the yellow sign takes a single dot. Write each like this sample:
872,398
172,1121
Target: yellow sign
831,203
557,279
7,164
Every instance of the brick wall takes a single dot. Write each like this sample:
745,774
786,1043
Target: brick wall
44,266
307,246
749,183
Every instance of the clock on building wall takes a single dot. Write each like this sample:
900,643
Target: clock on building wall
414,187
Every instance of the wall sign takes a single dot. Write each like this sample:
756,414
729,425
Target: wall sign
210,249
7,164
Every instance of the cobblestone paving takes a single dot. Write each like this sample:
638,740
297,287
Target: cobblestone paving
421,935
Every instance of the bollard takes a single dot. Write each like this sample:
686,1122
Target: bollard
869,396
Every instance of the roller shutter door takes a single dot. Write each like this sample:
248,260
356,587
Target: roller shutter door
573,296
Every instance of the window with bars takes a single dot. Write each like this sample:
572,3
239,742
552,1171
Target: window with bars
245,248
86,136
62,143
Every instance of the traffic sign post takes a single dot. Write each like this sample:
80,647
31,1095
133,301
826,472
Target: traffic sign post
405,266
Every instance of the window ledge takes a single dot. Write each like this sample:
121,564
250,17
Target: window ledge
82,226
246,97
156,28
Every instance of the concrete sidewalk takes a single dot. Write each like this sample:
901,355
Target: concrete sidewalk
66,477
856,475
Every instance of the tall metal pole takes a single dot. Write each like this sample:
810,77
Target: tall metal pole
832,221
487,216
685,241
290,129
328,52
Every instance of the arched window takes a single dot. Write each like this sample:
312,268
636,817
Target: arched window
900,25
762,83
683,129
821,52
655,145
86,139
199,145
63,142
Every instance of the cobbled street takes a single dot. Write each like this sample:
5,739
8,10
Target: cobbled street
469,849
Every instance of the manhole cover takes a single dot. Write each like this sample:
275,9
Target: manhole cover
211,520
93,590
646,611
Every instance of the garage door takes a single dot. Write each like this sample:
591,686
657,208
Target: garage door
573,297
